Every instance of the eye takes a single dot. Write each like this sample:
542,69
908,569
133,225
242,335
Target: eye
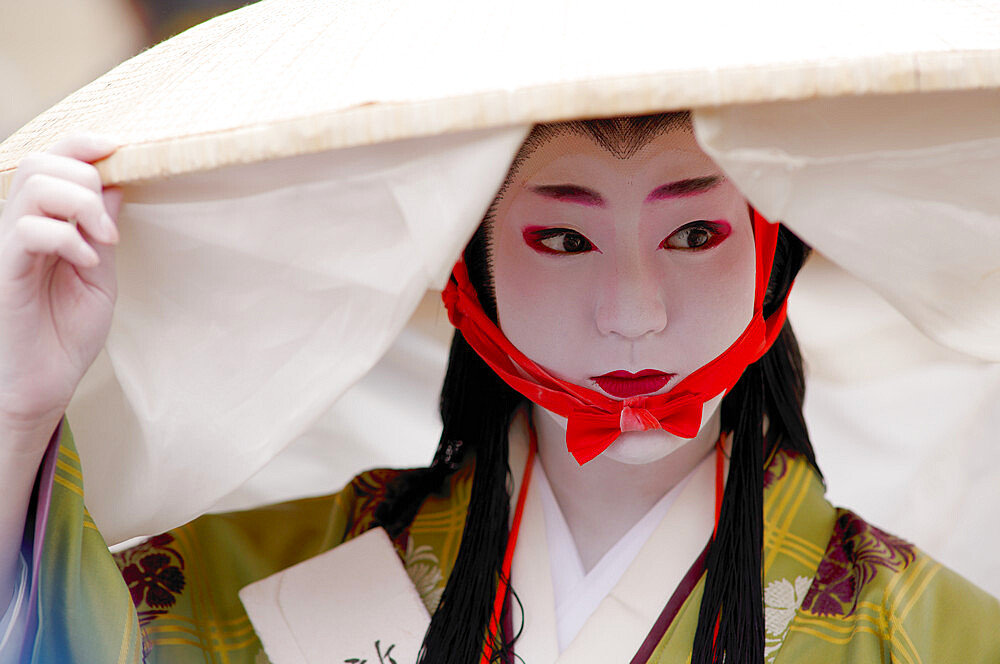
557,241
697,235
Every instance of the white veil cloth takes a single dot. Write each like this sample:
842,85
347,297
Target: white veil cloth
299,175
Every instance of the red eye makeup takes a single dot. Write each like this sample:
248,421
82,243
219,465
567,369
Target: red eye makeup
697,236
547,240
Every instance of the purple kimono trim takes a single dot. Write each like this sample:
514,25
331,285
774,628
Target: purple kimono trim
669,612
43,500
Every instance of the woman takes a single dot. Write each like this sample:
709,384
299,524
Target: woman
633,286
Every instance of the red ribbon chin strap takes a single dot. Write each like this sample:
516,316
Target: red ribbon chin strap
595,420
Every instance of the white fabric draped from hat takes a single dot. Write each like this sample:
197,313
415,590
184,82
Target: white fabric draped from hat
299,174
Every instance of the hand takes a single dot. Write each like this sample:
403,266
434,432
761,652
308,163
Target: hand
57,282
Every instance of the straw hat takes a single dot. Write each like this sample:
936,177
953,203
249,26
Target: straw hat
279,78
300,173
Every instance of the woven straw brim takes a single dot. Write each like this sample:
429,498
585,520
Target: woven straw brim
278,79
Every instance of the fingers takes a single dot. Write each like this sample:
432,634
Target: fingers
84,147
50,189
41,235
43,185
62,167
49,196
69,158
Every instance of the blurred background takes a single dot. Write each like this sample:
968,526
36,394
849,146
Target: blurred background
49,48
905,430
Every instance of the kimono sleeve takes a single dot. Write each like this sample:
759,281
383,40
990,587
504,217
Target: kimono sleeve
80,609
942,617
173,598
878,598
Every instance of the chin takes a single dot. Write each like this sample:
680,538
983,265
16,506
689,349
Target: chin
640,447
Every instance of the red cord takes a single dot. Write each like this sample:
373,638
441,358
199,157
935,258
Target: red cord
508,556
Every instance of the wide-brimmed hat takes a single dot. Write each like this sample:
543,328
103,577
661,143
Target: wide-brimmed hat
299,174
278,78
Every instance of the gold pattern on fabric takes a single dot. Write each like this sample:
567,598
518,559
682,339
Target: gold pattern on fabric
75,574
835,587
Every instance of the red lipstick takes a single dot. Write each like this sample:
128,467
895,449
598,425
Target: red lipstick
624,384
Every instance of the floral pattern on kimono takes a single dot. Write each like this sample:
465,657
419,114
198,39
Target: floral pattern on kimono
782,599
836,589
856,551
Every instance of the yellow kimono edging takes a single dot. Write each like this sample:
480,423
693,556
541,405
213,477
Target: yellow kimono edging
186,581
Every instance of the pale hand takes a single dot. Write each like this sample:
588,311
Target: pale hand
57,283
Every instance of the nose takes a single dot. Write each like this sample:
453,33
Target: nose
630,301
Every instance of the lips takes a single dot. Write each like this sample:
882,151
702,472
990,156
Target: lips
624,384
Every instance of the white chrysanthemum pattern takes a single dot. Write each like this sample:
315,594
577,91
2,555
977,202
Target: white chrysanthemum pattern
782,599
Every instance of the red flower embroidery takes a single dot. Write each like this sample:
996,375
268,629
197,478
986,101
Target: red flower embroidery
154,572
777,468
370,489
154,580
856,551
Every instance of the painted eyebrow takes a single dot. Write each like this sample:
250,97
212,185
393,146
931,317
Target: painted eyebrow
682,188
570,193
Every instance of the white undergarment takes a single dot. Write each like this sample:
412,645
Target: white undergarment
578,593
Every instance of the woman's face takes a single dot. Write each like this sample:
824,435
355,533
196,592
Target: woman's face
623,275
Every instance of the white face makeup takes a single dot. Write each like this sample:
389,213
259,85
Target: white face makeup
623,275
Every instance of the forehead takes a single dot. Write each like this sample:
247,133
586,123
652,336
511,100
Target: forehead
630,146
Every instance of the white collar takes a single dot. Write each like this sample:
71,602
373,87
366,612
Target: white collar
621,620
578,593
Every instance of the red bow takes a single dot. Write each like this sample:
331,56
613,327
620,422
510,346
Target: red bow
591,431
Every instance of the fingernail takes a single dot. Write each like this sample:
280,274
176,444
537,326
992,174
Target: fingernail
90,257
110,229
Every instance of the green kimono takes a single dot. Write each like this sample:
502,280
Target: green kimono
836,589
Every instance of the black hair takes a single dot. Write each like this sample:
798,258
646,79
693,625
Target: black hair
771,390
476,408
